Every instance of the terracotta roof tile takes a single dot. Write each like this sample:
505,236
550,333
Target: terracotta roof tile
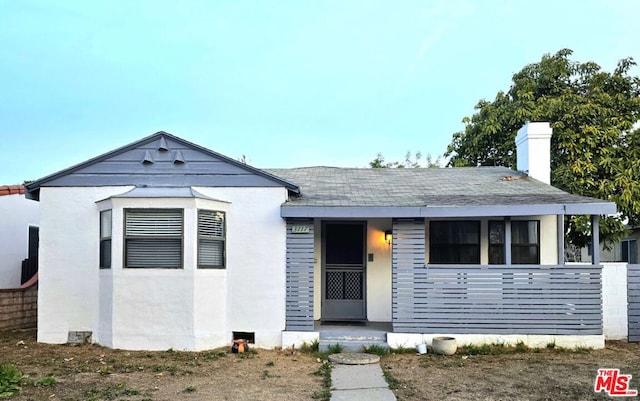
11,189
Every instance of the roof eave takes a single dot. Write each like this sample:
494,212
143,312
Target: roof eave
598,208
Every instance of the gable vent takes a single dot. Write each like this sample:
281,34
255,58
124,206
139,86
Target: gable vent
147,158
163,145
178,158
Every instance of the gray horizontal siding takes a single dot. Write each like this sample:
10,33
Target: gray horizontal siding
519,299
633,292
162,180
407,255
125,166
299,276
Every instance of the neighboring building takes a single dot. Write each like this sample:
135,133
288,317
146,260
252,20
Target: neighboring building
18,234
165,244
625,250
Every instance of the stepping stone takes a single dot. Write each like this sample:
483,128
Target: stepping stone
353,358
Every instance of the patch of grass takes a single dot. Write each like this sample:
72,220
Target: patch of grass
521,348
10,379
212,355
189,389
171,369
402,350
322,395
309,348
375,349
495,349
325,371
335,348
393,383
110,392
551,345
104,370
45,382
582,349
247,354
471,349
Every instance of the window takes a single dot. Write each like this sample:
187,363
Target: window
105,239
153,238
211,239
525,242
629,251
454,242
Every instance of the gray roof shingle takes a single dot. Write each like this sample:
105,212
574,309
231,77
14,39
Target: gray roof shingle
408,187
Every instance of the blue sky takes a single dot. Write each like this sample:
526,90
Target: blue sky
286,83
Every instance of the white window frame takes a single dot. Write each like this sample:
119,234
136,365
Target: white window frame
210,238
164,234
106,227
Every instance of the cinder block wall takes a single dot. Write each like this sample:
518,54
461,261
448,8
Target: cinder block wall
19,308
614,301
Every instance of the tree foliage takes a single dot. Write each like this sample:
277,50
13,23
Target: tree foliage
409,161
594,149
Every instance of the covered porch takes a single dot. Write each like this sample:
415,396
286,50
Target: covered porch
494,298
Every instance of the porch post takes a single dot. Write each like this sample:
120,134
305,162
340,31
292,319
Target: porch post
560,239
507,241
595,239
299,275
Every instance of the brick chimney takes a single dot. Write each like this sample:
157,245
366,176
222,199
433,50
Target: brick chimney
533,150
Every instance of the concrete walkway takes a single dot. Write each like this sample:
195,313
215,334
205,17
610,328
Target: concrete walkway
361,381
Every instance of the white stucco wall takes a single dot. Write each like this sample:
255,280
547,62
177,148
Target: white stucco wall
378,272
256,260
186,308
17,213
68,289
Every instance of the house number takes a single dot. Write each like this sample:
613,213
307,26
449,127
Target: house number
299,229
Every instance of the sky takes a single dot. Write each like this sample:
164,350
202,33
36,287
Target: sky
285,83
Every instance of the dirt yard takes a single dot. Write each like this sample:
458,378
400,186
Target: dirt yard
543,375
93,373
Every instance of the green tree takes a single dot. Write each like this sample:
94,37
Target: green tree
410,161
594,149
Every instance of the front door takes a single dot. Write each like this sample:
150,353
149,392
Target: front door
343,270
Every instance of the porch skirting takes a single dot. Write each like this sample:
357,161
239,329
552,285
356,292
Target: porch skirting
410,340
295,339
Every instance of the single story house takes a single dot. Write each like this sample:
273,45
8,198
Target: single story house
165,244
18,235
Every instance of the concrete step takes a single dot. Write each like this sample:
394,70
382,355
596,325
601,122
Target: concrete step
348,335
350,345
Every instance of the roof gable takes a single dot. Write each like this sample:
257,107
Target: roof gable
160,160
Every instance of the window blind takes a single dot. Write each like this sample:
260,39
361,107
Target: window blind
211,238
153,238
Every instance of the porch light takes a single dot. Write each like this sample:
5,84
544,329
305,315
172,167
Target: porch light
388,237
